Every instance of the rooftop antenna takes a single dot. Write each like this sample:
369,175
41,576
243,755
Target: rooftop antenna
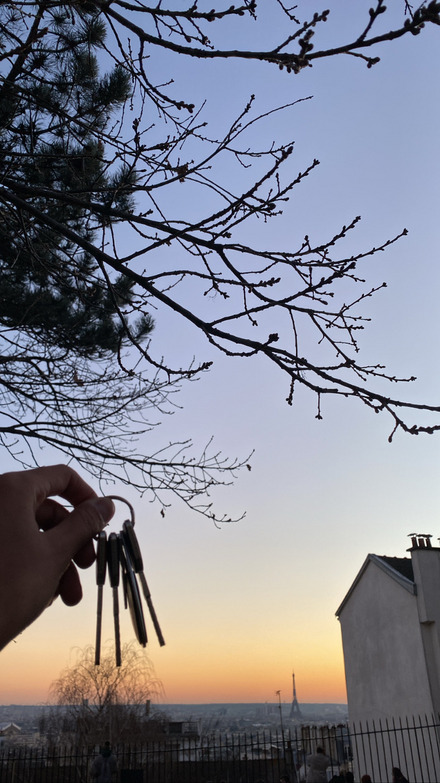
278,693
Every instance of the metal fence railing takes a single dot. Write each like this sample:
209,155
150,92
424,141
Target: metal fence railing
413,745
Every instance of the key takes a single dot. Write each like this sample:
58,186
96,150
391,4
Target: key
132,595
101,567
113,561
134,553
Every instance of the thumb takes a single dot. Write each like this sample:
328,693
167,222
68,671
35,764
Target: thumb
80,526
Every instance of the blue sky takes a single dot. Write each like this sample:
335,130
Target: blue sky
243,606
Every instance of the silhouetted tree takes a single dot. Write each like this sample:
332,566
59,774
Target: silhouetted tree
114,203
105,702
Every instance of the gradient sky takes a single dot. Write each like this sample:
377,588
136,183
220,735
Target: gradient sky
244,606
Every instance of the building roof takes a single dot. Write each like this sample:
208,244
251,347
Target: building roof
9,728
398,568
401,564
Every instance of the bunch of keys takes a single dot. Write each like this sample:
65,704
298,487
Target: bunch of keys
120,555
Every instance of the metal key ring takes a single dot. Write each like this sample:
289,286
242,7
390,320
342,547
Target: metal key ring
123,500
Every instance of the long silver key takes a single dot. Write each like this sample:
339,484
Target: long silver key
113,561
101,567
134,552
131,593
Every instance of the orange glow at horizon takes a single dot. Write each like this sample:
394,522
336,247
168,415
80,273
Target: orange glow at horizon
190,672
246,675
217,685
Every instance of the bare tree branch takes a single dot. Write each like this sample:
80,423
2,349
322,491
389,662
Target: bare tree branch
117,200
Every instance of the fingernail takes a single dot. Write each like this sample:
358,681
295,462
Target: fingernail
105,507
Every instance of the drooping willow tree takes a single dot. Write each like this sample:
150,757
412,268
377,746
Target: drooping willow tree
116,207
92,704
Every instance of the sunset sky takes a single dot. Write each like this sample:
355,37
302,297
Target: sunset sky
243,606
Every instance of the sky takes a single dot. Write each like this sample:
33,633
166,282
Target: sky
243,606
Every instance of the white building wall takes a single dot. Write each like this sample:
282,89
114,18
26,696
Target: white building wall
384,657
392,661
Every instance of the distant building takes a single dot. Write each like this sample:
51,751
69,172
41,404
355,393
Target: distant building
295,712
8,730
390,624
183,728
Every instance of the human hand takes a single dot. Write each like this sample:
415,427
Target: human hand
40,541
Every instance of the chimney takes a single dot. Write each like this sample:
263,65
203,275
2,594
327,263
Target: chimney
426,567
420,540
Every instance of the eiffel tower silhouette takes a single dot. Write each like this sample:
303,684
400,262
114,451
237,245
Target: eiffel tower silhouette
295,711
